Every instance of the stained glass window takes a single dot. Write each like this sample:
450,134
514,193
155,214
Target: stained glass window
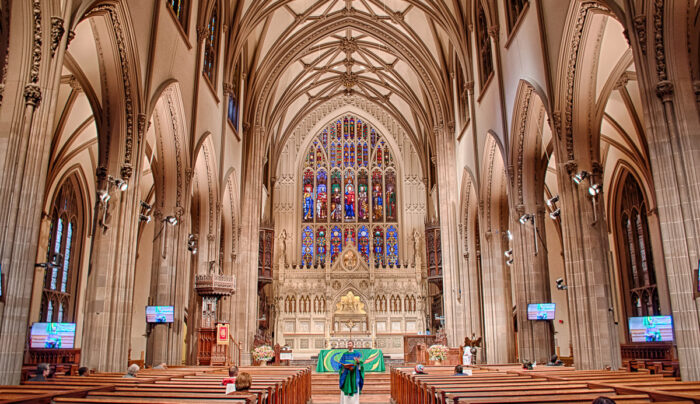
349,176
180,9
321,245
63,245
307,246
483,44
211,45
392,246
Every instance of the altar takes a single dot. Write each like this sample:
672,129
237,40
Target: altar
328,360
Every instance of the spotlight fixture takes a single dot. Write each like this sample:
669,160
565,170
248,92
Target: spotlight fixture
146,207
509,262
526,217
560,284
554,215
595,189
172,220
508,253
551,201
103,196
509,235
144,218
119,183
192,243
579,177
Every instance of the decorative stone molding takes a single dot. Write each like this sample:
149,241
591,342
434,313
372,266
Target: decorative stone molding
32,95
201,34
57,32
640,25
71,35
228,89
36,44
101,173
660,53
571,167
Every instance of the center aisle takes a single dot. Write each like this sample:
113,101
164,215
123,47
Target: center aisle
324,388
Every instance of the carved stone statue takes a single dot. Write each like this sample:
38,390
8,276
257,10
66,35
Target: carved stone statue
417,261
283,247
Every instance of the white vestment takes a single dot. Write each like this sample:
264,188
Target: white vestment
354,399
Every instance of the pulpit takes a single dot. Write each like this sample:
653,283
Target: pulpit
211,288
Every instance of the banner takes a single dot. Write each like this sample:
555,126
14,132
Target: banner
222,334
328,360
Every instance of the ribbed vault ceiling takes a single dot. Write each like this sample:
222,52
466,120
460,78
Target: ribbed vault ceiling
395,53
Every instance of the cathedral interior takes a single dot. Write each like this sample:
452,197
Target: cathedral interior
311,172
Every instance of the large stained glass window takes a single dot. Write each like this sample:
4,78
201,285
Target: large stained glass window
60,277
349,195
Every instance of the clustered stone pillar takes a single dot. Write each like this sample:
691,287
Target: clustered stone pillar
595,338
453,302
499,341
169,281
244,303
530,277
23,178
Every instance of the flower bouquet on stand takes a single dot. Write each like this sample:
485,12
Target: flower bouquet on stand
263,354
437,353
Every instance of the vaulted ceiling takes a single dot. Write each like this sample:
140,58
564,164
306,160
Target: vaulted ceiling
396,53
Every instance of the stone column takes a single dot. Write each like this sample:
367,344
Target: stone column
32,76
109,297
499,341
244,303
658,37
595,338
169,283
531,284
447,195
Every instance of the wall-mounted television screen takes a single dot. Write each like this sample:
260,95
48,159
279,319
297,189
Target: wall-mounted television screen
160,314
541,311
52,335
651,329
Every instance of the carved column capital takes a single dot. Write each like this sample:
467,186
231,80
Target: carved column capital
32,95
664,90
228,88
101,173
571,167
126,171
201,33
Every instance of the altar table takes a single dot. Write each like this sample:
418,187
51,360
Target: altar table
328,360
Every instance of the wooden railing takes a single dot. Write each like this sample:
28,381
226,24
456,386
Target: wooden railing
648,350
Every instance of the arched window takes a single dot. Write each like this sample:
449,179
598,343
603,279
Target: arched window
211,45
63,252
483,43
513,10
634,243
349,187
180,9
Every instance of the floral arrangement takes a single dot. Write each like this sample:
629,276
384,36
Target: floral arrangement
437,352
263,353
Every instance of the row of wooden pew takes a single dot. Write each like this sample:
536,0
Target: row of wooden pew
270,385
512,384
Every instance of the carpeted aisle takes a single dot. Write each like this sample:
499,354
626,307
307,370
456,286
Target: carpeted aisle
324,388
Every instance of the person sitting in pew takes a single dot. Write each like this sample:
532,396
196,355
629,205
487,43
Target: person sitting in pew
232,374
420,370
83,371
555,361
42,373
459,370
243,381
131,371
161,366
603,400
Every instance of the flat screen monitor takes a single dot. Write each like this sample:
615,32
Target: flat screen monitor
651,329
160,314
541,311
52,335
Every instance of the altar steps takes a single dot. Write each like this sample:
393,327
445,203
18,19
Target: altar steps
324,388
